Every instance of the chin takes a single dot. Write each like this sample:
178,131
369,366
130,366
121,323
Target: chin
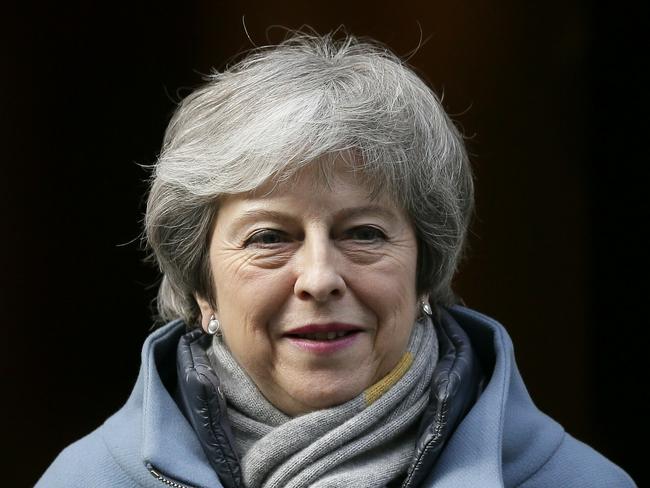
326,394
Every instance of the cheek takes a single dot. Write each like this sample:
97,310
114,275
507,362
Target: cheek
391,283
247,299
390,294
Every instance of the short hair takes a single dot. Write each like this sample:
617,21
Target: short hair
282,107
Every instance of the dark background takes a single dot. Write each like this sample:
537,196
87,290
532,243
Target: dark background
548,94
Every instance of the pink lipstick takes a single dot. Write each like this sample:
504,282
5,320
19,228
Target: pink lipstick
324,338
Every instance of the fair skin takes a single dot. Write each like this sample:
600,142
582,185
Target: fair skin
309,254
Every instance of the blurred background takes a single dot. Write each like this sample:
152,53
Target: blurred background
547,93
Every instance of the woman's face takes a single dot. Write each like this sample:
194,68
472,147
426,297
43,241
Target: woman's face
315,287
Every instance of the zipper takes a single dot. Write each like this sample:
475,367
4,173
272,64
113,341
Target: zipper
165,479
408,482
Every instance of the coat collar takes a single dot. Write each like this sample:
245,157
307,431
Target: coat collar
166,441
492,444
456,383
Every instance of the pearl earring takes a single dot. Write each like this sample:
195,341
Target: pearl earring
213,326
426,308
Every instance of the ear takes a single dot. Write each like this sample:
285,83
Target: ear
206,310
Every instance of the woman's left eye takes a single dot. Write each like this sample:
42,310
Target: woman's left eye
365,233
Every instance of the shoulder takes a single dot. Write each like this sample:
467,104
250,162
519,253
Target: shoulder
112,455
101,461
577,465
534,450
86,462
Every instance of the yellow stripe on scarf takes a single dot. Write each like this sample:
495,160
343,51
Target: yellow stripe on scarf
382,386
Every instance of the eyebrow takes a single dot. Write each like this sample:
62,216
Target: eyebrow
348,213
345,213
260,214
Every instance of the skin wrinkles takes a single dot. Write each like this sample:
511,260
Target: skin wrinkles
304,253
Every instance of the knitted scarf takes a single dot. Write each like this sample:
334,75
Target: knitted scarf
368,441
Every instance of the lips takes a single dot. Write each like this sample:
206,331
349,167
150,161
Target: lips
322,336
324,339
323,332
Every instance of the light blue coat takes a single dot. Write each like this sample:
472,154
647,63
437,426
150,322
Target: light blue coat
503,441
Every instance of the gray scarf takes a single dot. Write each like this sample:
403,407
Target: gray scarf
367,441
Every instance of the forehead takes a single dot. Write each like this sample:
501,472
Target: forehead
337,188
334,177
321,176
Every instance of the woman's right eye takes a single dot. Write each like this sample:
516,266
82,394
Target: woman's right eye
266,237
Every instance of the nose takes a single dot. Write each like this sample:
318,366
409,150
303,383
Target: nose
318,275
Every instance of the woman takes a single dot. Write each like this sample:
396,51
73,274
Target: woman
308,212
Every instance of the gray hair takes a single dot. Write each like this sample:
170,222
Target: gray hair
279,109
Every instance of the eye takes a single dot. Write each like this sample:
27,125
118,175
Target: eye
365,233
266,237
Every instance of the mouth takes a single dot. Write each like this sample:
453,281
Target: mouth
324,338
324,332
